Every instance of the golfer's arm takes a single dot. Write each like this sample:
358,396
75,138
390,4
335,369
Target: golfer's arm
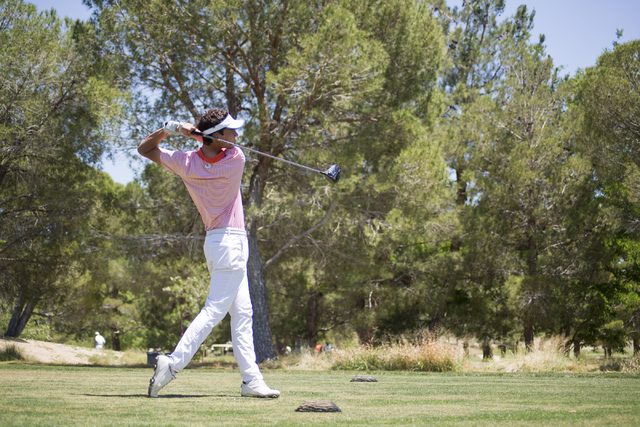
149,147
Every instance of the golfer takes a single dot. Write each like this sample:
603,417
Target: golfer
212,176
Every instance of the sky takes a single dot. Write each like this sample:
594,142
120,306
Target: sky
577,32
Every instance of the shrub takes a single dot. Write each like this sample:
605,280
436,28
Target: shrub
10,352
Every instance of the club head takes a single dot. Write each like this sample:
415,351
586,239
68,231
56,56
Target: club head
332,174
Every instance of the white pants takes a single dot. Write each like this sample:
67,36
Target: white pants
227,252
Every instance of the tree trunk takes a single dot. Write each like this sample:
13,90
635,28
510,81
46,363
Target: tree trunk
435,322
115,341
365,335
21,315
3,173
565,333
230,85
487,353
262,339
465,348
635,336
528,338
311,327
461,199
461,192
576,349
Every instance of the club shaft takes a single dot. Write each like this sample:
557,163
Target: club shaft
260,152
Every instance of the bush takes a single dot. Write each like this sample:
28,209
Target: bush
10,352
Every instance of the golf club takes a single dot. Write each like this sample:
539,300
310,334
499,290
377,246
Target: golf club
332,174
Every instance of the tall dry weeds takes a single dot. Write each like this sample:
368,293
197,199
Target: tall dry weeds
422,351
631,366
548,355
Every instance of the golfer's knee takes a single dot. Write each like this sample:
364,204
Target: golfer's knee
214,313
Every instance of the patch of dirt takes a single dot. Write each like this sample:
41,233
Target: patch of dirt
49,352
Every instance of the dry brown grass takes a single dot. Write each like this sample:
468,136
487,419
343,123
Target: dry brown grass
126,358
421,352
548,355
310,362
631,366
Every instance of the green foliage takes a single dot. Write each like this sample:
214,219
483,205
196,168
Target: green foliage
53,120
188,296
614,336
606,106
608,100
318,84
36,329
481,189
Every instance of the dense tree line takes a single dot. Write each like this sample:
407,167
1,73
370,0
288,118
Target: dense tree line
483,191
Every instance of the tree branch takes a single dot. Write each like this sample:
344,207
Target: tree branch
283,249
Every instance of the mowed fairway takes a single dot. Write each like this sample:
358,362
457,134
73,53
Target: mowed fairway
94,396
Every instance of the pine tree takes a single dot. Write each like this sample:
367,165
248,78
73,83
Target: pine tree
531,220
55,106
312,80
606,112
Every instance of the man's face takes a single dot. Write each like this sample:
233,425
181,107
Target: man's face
228,135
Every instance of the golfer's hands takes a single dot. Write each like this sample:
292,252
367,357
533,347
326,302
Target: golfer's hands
173,127
187,128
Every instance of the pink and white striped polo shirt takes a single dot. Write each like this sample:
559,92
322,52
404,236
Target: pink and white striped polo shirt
213,184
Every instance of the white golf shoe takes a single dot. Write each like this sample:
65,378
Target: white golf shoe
258,388
161,377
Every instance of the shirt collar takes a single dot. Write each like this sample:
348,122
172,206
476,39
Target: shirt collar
215,159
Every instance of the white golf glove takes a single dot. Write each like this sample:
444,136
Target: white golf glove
172,127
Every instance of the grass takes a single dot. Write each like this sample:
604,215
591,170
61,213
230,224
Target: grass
98,396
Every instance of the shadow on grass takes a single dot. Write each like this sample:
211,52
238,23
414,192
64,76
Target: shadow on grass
222,366
81,365
164,396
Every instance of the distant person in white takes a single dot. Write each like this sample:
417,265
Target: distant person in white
99,341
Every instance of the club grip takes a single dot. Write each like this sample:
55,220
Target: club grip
172,127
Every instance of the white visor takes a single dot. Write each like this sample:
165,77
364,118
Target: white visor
228,122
